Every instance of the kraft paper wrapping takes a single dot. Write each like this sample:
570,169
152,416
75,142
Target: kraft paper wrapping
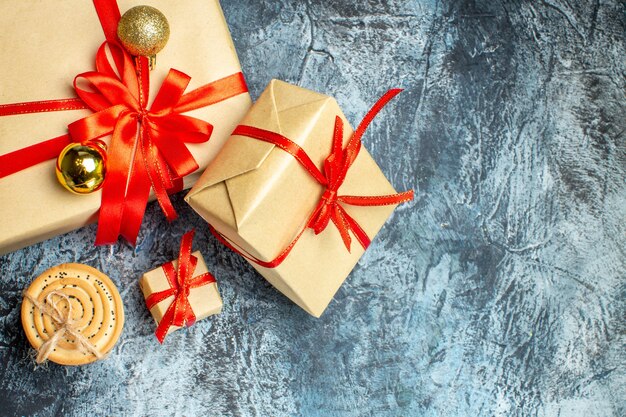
260,197
43,46
205,301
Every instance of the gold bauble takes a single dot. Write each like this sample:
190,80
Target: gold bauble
143,30
81,169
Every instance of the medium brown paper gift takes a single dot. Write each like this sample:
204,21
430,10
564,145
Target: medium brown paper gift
43,46
259,197
205,300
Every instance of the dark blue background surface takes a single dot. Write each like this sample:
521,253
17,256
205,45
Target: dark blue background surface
499,291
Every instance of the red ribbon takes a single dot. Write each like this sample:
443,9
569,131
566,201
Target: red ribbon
336,167
181,281
147,149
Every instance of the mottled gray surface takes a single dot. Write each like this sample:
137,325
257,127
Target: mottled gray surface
499,291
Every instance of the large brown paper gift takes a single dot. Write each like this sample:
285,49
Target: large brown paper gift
205,300
43,46
259,197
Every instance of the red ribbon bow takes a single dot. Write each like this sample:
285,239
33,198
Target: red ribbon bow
148,148
336,167
181,281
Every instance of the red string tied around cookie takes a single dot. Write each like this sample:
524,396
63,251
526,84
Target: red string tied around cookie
181,281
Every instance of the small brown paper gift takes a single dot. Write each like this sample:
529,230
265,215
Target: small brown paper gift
258,197
203,298
43,46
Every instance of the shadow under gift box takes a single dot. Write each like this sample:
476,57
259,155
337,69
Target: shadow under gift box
43,46
259,197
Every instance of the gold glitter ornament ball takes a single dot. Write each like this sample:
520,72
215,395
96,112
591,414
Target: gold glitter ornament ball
143,30
81,169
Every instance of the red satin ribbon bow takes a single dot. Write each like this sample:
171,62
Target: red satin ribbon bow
181,281
147,149
336,167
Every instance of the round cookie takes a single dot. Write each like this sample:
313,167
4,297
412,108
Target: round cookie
96,308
